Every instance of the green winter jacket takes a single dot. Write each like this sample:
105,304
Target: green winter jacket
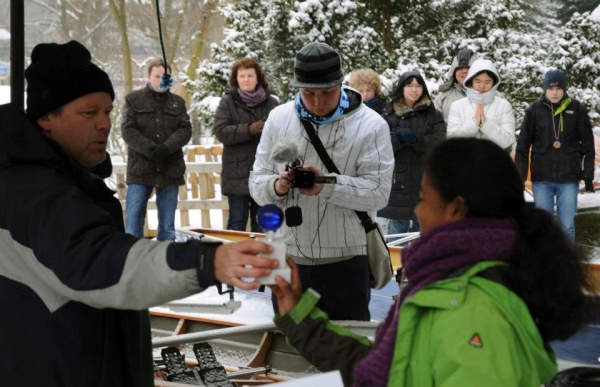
461,331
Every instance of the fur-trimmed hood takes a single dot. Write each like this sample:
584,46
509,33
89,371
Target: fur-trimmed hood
398,94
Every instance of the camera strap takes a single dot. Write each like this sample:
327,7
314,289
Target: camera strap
328,162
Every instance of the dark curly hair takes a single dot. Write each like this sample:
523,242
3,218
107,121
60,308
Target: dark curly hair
247,63
546,267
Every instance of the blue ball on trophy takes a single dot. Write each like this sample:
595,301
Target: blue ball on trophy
270,217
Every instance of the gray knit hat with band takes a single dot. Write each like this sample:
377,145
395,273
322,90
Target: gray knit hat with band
317,66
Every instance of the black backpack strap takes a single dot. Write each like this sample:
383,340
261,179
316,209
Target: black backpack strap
328,162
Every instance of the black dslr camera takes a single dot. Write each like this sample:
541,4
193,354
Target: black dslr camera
301,178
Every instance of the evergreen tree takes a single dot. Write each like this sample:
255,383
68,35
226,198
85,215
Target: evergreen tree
577,51
569,7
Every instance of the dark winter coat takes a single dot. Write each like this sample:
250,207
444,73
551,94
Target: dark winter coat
151,118
74,285
574,160
429,126
232,119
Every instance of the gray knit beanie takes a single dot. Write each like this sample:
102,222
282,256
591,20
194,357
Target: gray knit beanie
317,66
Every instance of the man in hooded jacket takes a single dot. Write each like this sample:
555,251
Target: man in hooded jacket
453,89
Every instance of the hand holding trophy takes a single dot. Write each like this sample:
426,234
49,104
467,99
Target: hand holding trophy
270,218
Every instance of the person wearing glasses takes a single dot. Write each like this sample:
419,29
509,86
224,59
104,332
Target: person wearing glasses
483,114
415,127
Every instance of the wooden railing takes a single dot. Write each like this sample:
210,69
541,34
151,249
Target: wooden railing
203,173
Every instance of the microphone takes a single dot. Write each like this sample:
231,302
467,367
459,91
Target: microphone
287,152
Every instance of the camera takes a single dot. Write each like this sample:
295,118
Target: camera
301,178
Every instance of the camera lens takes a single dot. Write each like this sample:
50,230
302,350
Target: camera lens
303,179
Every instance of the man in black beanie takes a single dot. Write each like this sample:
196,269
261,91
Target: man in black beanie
75,286
324,235
558,131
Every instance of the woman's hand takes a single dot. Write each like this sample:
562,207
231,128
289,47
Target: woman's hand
479,114
256,127
287,293
234,261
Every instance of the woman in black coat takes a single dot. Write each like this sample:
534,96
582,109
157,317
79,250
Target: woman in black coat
239,121
415,127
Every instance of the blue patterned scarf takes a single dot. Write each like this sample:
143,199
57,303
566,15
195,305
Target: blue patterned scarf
305,115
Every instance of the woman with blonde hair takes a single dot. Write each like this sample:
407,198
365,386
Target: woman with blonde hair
368,84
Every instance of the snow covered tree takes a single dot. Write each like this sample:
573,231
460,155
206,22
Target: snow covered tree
577,51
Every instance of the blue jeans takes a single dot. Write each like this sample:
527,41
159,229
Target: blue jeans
135,210
239,206
566,202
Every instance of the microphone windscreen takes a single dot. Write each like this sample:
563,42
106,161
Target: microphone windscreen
285,152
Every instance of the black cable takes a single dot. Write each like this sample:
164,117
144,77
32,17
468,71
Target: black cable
166,81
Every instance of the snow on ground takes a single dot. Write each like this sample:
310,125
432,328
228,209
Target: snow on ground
256,307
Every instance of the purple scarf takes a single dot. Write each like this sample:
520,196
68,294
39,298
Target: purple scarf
433,257
253,99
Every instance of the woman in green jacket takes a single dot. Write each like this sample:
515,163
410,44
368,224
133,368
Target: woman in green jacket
490,282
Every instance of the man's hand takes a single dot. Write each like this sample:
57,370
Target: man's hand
315,189
232,261
256,127
283,184
287,294
160,152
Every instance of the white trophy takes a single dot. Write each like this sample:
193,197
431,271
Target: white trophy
270,218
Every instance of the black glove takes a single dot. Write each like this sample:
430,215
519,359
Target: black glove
160,152
406,135
589,185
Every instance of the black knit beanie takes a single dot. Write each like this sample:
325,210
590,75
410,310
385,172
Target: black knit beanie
317,66
555,78
59,74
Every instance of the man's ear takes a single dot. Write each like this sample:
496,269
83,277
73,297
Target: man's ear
45,123
459,208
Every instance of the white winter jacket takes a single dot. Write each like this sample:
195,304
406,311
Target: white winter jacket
499,125
360,147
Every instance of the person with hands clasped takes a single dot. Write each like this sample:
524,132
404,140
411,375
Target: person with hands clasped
558,131
155,125
483,114
491,281
416,126
323,233
78,284
239,122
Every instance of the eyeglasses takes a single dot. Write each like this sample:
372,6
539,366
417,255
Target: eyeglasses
417,86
